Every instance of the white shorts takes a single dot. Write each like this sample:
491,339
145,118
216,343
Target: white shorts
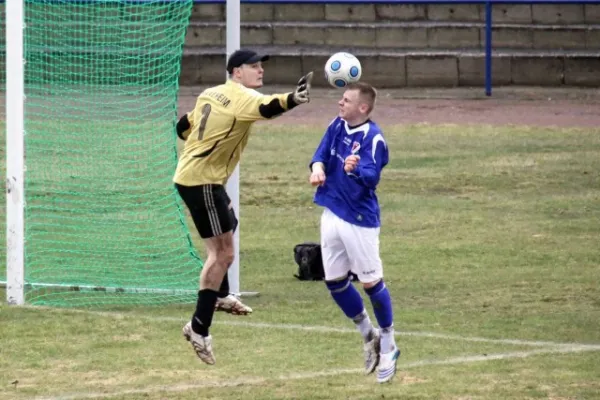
346,247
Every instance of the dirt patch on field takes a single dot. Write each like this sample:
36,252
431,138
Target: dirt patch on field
507,106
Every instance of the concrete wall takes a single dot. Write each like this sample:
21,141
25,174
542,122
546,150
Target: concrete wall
419,70
425,35
406,45
514,13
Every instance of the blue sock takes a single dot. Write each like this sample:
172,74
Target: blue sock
346,296
382,304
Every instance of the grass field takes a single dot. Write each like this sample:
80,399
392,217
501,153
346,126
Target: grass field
490,247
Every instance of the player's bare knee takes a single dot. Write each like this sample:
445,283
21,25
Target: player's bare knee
221,248
212,275
225,257
222,257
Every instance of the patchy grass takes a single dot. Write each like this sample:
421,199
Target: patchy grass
488,232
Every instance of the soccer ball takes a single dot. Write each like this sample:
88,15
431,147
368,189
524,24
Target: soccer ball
342,69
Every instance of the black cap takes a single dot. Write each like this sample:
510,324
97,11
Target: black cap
243,56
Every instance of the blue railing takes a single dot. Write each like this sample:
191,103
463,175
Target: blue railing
488,15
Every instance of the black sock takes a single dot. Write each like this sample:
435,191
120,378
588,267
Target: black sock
205,309
224,289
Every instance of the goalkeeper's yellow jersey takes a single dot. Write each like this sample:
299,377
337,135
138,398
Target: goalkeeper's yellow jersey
219,129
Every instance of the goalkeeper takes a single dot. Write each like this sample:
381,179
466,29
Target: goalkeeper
216,132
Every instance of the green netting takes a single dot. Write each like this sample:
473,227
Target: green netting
103,222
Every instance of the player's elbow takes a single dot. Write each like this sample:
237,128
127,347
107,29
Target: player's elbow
371,182
369,177
182,126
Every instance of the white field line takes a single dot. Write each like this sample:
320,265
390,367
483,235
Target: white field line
178,388
326,329
329,329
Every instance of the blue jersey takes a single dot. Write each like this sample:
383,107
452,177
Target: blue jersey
351,196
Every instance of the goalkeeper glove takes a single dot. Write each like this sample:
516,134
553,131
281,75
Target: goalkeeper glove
301,94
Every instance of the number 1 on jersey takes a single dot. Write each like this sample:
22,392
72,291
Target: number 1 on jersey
205,113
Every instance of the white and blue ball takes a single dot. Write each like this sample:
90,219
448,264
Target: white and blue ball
341,69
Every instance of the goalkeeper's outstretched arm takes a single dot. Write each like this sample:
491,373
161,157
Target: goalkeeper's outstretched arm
256,106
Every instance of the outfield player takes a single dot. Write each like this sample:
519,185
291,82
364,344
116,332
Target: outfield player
216,132
346,167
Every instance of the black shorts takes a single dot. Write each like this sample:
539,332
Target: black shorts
209,208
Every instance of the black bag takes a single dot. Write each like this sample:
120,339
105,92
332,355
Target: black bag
310,264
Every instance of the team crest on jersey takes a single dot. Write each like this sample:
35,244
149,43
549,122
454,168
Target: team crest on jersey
355,147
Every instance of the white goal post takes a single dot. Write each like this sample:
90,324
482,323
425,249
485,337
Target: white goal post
15,153
232,13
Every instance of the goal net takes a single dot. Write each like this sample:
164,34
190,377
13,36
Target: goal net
103,223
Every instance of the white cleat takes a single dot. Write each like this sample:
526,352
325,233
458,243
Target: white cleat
232,305
387,365
202,345
371,352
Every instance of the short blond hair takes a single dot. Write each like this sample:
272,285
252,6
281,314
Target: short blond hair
367,93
